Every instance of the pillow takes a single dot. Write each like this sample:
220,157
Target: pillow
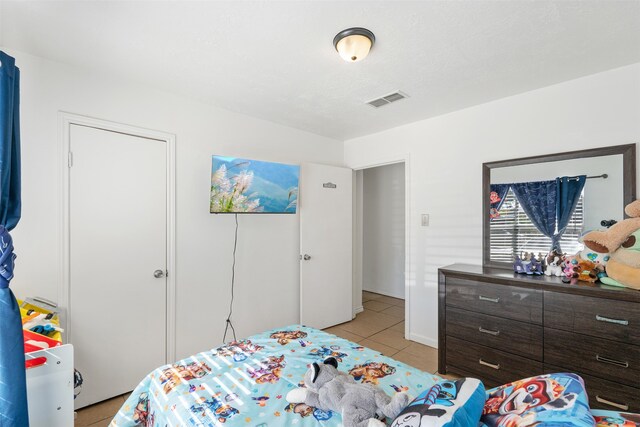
615,419
451,403
555,399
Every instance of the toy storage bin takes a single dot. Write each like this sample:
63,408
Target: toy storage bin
50,387
50,373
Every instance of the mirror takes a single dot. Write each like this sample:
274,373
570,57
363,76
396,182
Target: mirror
520,198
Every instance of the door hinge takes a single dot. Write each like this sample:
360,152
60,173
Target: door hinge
70,159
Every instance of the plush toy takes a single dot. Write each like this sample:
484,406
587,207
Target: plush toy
582,269
555,263
527,264
331,390
598,258
622,242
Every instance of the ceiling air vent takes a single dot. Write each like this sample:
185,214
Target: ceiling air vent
387,99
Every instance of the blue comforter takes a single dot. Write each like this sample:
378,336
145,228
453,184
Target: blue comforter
245,383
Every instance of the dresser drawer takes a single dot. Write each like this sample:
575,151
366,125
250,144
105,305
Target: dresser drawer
500,300
615,361
524,339
604,394
493,366
598,317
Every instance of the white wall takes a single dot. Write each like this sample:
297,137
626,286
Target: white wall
447,153
383,230
267,292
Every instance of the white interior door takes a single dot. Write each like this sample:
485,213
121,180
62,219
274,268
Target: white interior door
118,244
325,245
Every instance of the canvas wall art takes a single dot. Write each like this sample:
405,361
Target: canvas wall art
252,186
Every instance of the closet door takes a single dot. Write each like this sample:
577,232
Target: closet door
118,246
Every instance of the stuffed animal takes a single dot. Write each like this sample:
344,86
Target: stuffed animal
596,257
555,263
622,242
582,269
527,264
331,390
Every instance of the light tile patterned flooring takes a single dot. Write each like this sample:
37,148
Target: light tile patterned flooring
380,327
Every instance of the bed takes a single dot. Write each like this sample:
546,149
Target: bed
244,383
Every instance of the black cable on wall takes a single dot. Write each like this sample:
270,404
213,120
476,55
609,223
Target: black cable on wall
233,280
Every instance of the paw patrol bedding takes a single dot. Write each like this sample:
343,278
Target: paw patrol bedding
615,419
245,383
553,400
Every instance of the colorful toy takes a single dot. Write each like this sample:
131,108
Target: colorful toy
331,390
555,263
601,258
582,269
40,323
622,242
527,264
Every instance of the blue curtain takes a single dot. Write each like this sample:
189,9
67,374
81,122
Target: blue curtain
569,191
538,200
13,384
501,191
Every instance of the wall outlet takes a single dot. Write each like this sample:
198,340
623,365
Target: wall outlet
425,220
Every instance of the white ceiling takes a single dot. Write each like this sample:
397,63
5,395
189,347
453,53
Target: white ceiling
275,59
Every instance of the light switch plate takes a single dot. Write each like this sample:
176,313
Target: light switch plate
425,220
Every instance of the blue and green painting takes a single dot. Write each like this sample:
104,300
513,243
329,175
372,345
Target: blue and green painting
251,186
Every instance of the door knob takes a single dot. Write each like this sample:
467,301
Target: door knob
306,257
158,274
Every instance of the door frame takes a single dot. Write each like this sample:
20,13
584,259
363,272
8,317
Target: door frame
390,160
65,120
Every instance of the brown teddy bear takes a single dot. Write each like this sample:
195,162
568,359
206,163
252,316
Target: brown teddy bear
622,241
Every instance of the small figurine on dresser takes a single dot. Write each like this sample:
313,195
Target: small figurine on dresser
555,263
527,264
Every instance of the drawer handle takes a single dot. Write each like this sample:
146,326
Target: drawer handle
491,365
487,331
614,404
610,320
612,361
483,298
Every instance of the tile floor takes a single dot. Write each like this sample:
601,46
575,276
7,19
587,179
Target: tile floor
380,327
100,414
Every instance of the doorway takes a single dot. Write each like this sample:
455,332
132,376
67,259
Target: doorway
380,259
118,252
383,230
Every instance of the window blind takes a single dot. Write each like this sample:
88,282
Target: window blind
513,232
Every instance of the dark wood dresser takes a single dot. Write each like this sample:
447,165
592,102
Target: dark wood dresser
500,326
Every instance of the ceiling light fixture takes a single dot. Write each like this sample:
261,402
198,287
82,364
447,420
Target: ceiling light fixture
353,44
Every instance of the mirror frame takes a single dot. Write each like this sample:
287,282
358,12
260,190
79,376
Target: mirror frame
628,152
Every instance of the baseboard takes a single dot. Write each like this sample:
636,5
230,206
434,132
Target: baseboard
357,310
424,340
